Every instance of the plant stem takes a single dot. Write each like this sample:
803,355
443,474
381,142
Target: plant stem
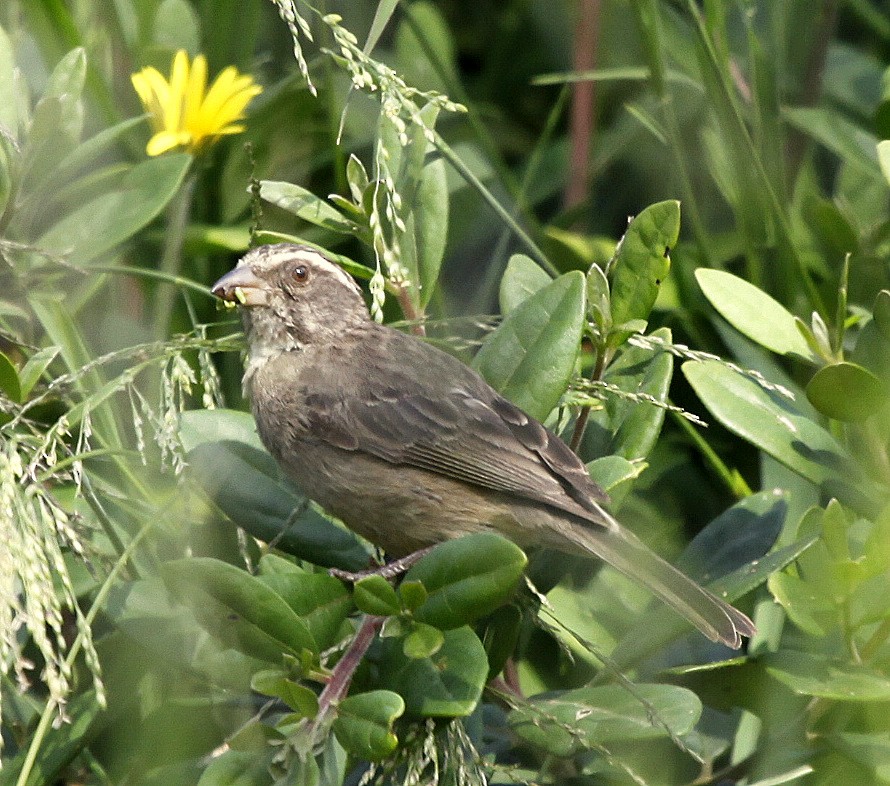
584,414
178,213
341,677
733,481
415,317
582,122
158,275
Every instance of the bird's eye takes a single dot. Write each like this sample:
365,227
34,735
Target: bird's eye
301,273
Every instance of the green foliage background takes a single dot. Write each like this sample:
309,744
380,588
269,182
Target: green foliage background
166,614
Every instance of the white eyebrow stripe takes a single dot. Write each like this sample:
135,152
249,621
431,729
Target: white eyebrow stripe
271,256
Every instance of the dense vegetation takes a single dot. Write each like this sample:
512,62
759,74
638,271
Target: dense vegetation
166,612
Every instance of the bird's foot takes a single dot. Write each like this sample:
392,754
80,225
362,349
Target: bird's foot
388,571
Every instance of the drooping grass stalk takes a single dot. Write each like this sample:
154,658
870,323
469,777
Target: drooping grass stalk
49,711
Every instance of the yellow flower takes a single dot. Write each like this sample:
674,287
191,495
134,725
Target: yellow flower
183,112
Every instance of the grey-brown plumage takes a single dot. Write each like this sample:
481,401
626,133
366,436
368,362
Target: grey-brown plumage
409,446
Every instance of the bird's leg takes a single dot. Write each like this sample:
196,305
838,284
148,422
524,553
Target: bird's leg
390,570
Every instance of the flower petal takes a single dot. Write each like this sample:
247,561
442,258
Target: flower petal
167,140
179,76
194,95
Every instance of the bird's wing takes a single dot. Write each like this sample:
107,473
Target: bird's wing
456,426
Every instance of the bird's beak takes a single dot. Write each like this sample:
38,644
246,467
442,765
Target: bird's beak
241,286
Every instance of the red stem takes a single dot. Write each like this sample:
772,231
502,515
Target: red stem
582,125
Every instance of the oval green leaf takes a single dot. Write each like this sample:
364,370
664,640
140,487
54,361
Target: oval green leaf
811,674
522,278
10,384
846,391
306,205
752,312
423,641
272,682
92,229
430,226
364,723
642,261
531,356
634,426
238,608
467,578
226,458
448,684
375,595
320,600
881,311
606,714
774,424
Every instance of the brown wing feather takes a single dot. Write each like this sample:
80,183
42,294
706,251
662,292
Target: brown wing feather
451,422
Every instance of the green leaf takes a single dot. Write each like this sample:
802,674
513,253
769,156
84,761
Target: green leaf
870,750
881,312
642,261
611,473
883,149
829,127
598,304
430,213
34,368
752,312
357,177
448,684
606,714
811,674
423,641
111,218
846,391
200,426
467,578
10,384
239,768
375,595
522,278
806,605
772,423
304,204
635,425
9,100
58,120
531,356
364,723
424,47
90,154
320,600
66,84
413,594
244,482
500,636
9,170
273,682
382,15
238,608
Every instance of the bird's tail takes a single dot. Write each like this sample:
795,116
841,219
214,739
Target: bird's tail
715,618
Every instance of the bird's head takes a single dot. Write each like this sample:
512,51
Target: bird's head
291,296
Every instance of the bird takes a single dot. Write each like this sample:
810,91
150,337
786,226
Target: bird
409,446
